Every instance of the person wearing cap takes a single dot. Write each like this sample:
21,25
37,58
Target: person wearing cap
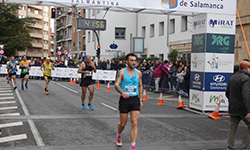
238,94
46,69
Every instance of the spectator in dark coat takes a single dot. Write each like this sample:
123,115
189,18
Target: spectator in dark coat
103,65
113,65
187,76
238,94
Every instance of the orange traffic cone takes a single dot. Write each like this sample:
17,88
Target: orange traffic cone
71,80
144,97
180,103
108,88
160,100
98,86
215,113
74,82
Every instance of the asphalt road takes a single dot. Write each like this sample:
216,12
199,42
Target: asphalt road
29,118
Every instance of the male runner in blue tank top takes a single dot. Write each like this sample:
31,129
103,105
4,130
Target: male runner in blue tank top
129,85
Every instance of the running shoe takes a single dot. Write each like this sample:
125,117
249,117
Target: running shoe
83,107
22,87
15,87
26,86
90,107
8,82
132,148
118,141
45,91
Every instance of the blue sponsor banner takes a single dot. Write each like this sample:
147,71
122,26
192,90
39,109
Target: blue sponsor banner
217,81
196,80
220,43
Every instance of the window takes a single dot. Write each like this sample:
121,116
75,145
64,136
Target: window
23,7
46,32
36,41
45,13
120,33
161,28
36,31
28,9
171,25
45,42
152,30
89,13
36,50
20,16
45,23
143,31
36,12
161,56
88,36
184,23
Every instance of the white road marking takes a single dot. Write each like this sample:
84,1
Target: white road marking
6,94
7,108
13,124
5,88
5,91
108,106
13,138
35,132
6,98
66,88
8,102
11,114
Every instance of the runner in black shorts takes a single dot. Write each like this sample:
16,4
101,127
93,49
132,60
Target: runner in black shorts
86,69
129,85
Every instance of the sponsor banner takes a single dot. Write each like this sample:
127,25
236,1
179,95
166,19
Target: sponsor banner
197,62
107,75
217,81
197,80
217,62
220,43
221,24
198,43
197,6
196,99
199,24
211,99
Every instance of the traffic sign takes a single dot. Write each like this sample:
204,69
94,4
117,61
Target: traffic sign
91,24
65,52
59,53
1,52
1,46
59,47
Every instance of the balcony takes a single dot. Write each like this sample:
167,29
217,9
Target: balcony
68,23
37,45
84,47
34,54
59,26
38,26
36,35
37,7
45,37
60,38
68,37
30,14
46,28
45,46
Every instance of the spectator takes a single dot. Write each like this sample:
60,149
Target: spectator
187,76
238,94
32,62
113,65
37,63
120,65
103,65
99,65
71,63
158,75
236,68
66,62
108,67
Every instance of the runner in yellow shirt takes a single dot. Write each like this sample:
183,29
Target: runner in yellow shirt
46,69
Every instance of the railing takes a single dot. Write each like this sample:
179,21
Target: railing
60,37
68,36
60,26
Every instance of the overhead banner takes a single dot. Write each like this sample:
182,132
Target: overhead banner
199,6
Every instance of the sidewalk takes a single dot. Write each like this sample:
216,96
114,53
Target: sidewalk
202,145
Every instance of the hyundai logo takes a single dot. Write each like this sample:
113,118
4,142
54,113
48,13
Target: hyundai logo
219,78
197,77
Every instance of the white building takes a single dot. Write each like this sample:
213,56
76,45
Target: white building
123,26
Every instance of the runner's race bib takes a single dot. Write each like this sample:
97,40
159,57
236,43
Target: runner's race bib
130,90
47,69
25,70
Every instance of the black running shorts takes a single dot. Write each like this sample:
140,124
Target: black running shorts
12,74
24,74
129,104
49,78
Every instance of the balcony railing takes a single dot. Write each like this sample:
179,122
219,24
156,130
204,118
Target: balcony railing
68,22
68,36
60,37
30,14
60,26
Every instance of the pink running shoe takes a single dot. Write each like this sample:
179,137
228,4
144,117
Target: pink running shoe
118,141
132,148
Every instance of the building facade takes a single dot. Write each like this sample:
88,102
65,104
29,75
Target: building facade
39,32
66,32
